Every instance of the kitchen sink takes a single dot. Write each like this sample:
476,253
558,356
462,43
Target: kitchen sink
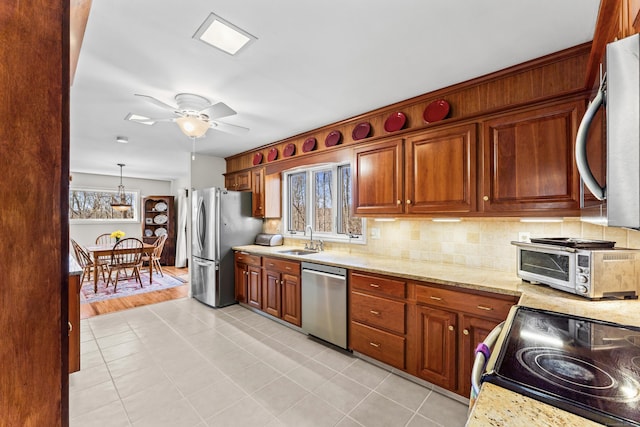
297,252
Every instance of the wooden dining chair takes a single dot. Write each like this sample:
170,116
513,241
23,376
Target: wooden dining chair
105,239
154,256
127,253
84,260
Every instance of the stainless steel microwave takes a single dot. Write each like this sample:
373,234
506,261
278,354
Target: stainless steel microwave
591,273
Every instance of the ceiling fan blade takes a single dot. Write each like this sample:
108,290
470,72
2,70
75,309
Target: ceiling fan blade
218,110
157,102
226,127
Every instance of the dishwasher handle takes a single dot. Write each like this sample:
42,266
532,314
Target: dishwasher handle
483,351
321,273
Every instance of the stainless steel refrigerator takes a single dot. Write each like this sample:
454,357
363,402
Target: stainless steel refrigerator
221,219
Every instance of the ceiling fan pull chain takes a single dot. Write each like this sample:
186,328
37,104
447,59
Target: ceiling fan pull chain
193,148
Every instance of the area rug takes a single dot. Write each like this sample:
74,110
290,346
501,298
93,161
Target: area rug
127,287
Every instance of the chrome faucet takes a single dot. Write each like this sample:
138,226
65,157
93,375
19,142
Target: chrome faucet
310,244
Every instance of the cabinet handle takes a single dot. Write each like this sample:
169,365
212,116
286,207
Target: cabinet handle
450,328
408,201
375,313
287,268
485,198
70,328
436,298
465,331
271,264
374,344
259,208
398,202
485,308
281,282
374,285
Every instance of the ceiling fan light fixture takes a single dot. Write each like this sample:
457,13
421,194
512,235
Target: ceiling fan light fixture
192,126
223,35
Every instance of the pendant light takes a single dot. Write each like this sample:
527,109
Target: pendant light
120,203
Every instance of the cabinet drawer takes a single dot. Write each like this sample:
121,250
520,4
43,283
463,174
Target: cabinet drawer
292,267
248,258
380,345
382,285
379,312
481,305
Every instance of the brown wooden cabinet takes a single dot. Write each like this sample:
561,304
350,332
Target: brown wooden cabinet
265,194
449,325
281,294
74,322
378,178
529,162
432,171
247,278
440,171
437,346
378,318
159,217
238,181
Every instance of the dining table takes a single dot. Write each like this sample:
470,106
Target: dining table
98,251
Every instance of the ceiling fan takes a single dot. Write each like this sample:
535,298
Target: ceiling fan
194,114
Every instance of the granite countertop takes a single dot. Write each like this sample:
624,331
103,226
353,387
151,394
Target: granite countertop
74,267
495,406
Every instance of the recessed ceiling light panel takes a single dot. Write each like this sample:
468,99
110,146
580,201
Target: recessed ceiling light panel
139,119
223,35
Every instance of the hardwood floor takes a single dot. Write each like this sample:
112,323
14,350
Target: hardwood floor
117,304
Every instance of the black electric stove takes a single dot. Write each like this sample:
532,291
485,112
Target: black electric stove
584,366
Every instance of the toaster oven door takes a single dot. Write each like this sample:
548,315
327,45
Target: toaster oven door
556,269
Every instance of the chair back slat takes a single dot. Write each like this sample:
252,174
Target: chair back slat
159,246
82,256
127,258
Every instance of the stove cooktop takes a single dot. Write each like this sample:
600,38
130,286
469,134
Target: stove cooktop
584,366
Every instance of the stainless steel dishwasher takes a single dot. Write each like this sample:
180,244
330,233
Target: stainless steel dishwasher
324,302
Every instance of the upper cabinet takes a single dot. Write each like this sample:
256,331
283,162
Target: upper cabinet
239,181
266,194
528,160
440,171
429,172
378,178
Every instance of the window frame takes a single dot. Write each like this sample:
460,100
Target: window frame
310,171
135,206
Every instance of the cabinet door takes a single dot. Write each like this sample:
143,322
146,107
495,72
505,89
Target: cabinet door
271,293
257,190
441,171
437,358
239,181
474,331
291,299
254,287
529,160
74,323
378,178
241,279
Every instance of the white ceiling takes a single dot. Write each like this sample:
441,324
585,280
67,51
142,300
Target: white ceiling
314,63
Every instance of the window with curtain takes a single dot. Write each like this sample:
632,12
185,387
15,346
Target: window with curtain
321,197
91,205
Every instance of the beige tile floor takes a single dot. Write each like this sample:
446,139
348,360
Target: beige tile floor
180,363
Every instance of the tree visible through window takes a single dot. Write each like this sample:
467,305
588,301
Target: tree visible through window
321,197
96,205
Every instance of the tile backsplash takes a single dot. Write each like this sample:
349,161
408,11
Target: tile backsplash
484,243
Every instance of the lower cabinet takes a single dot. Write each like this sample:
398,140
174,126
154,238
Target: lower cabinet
247,279
424,329
378,318
449,325
281,295
74,323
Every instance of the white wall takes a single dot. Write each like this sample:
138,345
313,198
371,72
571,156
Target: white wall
86,234
206,171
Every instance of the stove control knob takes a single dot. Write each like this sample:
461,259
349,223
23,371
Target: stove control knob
582,279
582,289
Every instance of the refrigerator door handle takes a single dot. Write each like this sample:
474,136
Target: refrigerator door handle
199,221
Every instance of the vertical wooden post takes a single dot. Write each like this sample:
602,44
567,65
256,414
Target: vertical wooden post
34,171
